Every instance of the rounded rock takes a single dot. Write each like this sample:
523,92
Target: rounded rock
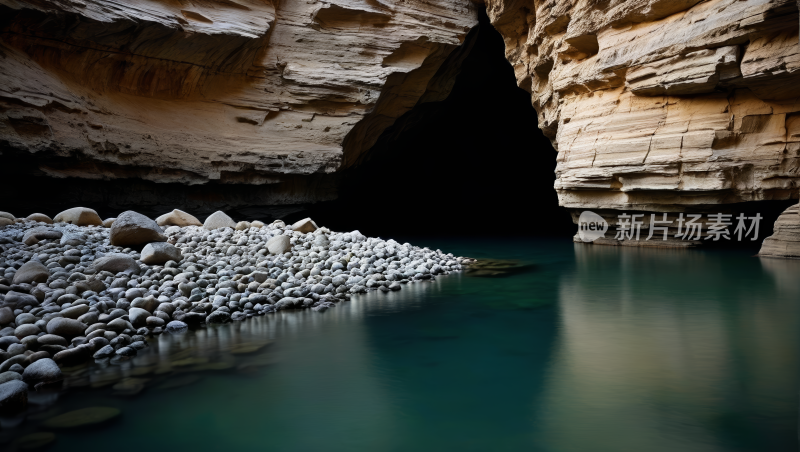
158,253
44,370
133,229
219,220
26,330
79,216
178,218
40,217
31,272
67,328
176,326
83,417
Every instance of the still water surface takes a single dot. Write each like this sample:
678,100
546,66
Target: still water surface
596,349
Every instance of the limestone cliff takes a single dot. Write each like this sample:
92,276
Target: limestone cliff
662,105
232,91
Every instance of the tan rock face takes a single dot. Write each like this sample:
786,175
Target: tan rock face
785,242
245,91
657,105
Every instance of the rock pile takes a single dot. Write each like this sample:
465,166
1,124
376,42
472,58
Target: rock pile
70,295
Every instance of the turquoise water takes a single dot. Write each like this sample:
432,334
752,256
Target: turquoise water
596,349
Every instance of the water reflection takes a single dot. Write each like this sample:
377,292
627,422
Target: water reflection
596,349
665,350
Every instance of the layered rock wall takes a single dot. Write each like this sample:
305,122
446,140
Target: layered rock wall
230,91
662,105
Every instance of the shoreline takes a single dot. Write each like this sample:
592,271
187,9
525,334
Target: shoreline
81,288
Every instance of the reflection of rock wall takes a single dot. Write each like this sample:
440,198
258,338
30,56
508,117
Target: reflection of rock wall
646,349
662,104
245,91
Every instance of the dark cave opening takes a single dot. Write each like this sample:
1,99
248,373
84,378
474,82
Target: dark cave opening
462,166
473,164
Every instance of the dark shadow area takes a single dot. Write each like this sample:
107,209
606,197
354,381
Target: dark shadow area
474,164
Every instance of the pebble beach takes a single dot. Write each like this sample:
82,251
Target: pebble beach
77,288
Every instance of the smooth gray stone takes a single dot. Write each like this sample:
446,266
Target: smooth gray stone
13,396
52,339
157,253
176,326
104,352
44,370
8,376
31,272
67,328
133,229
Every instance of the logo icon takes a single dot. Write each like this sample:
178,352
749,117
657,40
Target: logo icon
591,226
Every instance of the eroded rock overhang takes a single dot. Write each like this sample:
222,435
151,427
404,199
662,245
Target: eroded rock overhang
238,92
662,105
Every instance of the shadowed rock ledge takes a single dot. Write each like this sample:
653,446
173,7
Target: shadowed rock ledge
244,92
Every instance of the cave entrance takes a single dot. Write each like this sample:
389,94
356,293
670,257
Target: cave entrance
473,164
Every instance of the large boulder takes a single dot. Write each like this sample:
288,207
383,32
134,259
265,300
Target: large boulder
35,235
80,216
13,396
219,220
64,327
305,225
116,263
178,218
5,222
8,216
158,253
279,244
44,370
40,217
31,272
133,229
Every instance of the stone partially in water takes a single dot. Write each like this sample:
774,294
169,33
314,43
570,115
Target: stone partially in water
83,417
44,370
129,386
176,326
13,396
34,441
178,382
246,349
497,267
